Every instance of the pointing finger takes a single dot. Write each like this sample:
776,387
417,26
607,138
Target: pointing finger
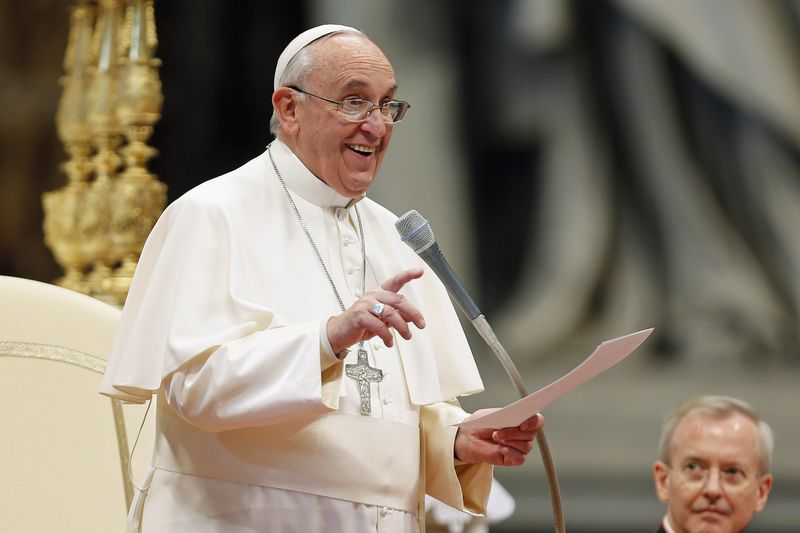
397,282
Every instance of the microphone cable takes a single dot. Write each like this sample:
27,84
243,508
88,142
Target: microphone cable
486,332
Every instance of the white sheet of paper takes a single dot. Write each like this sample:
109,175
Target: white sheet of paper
607,354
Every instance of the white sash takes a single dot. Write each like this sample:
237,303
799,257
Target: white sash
348,457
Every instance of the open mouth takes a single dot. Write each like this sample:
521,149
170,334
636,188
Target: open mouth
362,150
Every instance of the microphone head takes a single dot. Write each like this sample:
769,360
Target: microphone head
415,231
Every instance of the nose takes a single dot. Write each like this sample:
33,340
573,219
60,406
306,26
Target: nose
713,484
374,123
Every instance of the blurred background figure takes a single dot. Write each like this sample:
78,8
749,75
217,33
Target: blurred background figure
714,466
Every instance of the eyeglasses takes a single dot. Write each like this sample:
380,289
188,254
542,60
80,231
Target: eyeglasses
732,478
358,109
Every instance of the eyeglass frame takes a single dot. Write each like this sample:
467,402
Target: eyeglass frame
340,104
703,475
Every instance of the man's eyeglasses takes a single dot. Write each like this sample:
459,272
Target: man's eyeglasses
358,109
696,473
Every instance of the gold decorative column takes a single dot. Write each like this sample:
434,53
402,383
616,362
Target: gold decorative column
107,137
63,207
97,224
137,198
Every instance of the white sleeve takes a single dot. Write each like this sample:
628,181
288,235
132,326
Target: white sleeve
263,378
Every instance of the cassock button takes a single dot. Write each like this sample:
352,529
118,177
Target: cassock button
377,345
387,401
385,511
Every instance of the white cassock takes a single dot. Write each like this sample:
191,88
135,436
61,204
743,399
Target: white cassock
257,427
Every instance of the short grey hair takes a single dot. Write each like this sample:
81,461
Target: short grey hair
297,72
720,407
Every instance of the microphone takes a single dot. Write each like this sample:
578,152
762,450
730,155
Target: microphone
416,232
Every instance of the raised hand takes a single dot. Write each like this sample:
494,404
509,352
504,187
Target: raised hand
375,313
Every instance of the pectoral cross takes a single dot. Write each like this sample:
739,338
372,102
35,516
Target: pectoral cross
365,374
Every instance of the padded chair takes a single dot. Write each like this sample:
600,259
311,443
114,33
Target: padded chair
63,447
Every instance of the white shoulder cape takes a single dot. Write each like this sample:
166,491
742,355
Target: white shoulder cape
228,259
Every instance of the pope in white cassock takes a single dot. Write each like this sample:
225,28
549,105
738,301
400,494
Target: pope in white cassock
305,362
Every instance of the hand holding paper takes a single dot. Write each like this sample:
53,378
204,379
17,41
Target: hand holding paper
606,355
502,447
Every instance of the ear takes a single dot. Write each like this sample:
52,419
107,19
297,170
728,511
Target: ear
661,477
285,105
764,486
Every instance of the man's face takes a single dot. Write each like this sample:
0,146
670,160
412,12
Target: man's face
714,483
345,155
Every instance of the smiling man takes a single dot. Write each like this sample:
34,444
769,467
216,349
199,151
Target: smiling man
713,473
306,363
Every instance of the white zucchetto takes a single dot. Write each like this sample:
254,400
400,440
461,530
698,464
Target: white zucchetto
303,40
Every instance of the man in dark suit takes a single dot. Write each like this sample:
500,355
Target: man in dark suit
714,466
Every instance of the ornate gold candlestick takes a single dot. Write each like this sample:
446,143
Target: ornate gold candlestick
111,88
137,197
63,207
107,137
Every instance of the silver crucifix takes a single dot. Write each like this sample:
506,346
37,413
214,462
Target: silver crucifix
365,374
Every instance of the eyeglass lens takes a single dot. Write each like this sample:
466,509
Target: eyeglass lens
357,109
732,477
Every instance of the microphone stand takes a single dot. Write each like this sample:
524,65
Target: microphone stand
416,232
488,335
